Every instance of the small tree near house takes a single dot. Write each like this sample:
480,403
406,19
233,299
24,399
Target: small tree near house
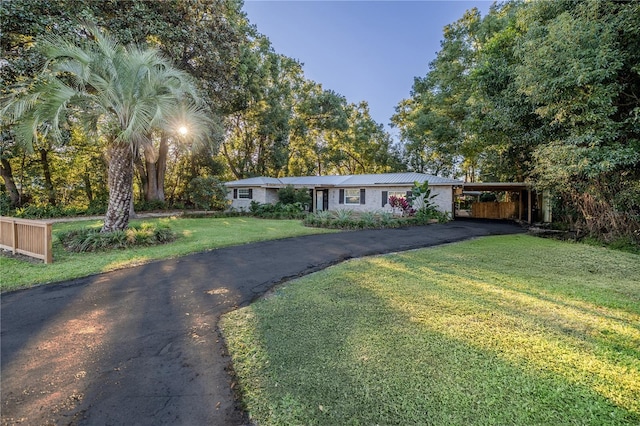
290,195
421,200
208,193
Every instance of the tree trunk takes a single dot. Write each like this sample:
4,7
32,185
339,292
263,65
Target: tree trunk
152,185
153,170
9,182
120,177
161,166
87,186
234,169
48,184
132,209
142,172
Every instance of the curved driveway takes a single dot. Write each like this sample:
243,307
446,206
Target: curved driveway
140,346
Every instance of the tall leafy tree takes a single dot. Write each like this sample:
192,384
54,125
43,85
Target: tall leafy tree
202,37
205,38
257,137
579,69
124,93
539,91
318,113
363,147
22,21
505,122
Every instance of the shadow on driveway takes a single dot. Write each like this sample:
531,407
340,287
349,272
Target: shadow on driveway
140,346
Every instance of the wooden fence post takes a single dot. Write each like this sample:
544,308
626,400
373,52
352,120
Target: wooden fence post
48,251
14,235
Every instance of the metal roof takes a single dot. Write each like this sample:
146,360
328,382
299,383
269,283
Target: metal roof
313,180
398,179
495,186
383,179
255,181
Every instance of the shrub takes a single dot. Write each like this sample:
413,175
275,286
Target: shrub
368,220
343,214
208,193
277,211
254,207
144,205
347,219
91,239
6,209
45,211
402,204
421,197
97,206
290,195
488,196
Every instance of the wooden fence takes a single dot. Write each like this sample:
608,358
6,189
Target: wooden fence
29,237
495,210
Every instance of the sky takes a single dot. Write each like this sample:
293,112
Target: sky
364,50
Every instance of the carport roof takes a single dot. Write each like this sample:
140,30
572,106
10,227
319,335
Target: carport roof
495,186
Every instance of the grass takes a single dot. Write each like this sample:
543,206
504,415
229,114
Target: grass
511,330
194,235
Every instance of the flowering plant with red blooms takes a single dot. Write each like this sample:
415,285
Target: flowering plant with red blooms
401,203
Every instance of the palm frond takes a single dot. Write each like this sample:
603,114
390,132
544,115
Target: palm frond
125,91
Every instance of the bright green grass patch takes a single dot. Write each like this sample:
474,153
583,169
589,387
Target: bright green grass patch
194,235
510,330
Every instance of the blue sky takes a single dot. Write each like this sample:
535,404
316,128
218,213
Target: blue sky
364,50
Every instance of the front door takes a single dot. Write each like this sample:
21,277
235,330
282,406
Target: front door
322,199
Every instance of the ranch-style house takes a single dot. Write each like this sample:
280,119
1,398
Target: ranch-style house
354,192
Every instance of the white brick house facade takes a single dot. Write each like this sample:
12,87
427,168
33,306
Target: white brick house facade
354,192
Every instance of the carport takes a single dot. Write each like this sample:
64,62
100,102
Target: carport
525,208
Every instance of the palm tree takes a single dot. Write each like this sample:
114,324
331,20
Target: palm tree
121,93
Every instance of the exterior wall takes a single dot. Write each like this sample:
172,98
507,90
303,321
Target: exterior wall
373,198
443,198
260,195
271,195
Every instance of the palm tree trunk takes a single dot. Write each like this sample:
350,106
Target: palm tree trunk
120,179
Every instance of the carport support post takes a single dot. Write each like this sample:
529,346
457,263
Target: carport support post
529,213
520,205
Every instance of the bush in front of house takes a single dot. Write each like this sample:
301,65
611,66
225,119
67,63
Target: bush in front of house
349,219
91,239
277,211
290,195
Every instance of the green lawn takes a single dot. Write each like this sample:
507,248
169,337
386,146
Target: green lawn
510,330
194,235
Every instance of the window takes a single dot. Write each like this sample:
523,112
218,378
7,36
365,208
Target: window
352,196
245,193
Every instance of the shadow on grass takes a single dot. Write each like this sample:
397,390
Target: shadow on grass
337,349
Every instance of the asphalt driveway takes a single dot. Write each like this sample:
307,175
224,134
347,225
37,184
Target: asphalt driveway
140,346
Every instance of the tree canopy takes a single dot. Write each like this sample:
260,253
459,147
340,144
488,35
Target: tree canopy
122,94
267,118
546,92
